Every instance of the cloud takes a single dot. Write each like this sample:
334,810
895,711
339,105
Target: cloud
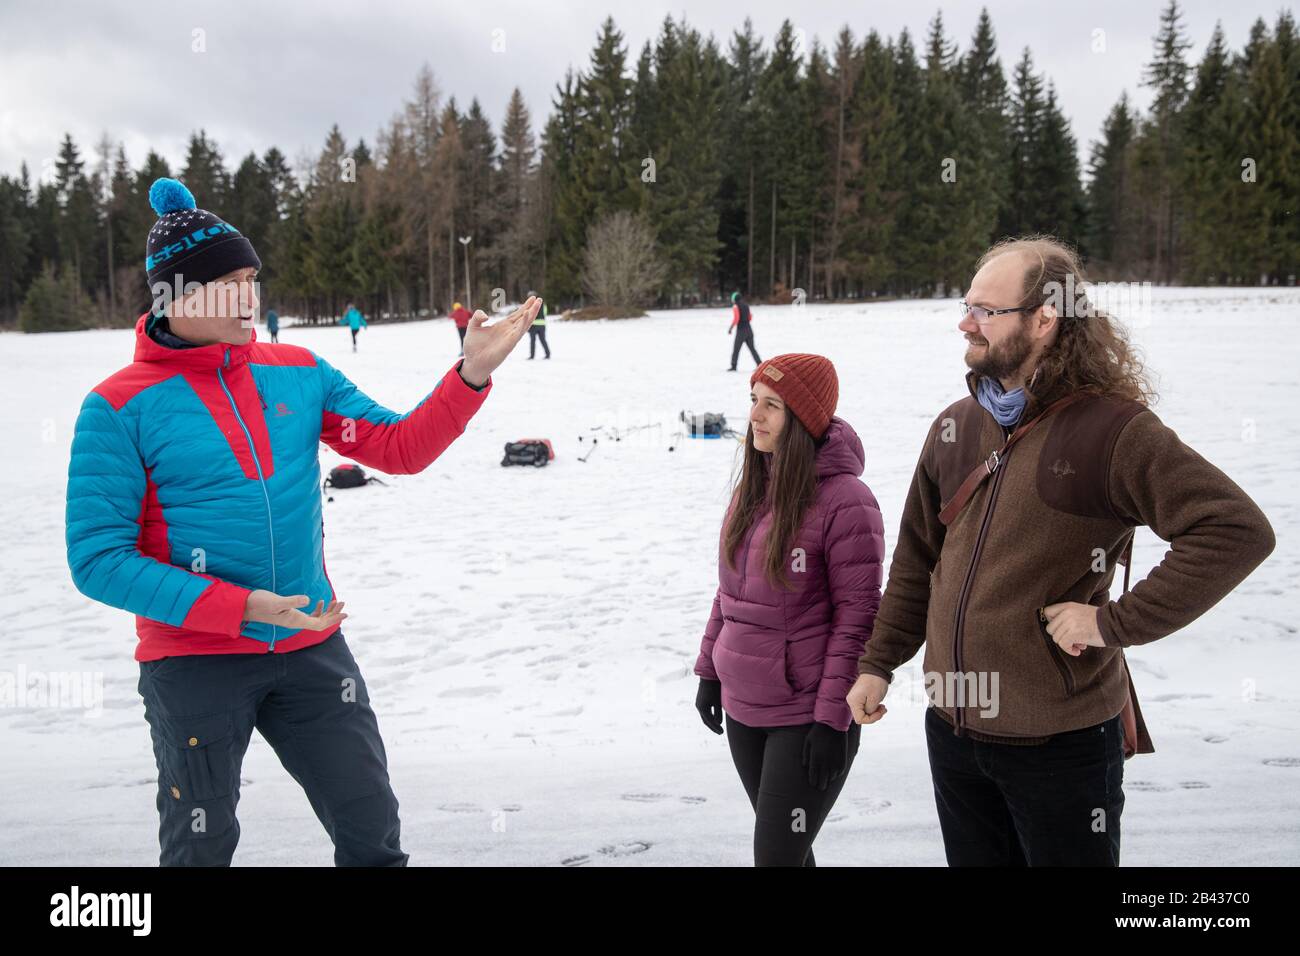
282,73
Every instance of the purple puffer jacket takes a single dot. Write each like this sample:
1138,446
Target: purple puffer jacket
790,657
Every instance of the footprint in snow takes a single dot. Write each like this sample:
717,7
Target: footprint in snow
657,797
625,849
581,860
869,805
460,808
1145,786
1283,761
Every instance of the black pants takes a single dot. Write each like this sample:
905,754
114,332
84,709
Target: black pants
354,338
788,810
536,332
460,330
275,336
1052,804
311,706
744,335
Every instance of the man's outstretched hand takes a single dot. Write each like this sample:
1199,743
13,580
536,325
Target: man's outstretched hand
486,346
267,607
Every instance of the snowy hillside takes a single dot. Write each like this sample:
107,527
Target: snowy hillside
528,634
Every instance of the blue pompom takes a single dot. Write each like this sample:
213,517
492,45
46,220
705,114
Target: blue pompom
169,195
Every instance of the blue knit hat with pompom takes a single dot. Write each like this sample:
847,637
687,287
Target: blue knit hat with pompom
191,244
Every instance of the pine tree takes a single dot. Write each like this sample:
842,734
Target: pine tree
682,210
1027,124
566,202
602,160
478,208
77,219
423,189
779,166
843,157
447,161
205,174
742,132
1060,206
1167,75
985,95
911,267
15,242
1109,192
1209,169
519,199
880,187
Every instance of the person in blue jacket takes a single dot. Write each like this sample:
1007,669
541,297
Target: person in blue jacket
273,324
193,502
354,320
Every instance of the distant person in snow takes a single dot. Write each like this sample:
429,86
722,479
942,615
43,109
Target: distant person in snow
1004,562
273,325
537,332
354,320
740,319
193,502
460,315
801,553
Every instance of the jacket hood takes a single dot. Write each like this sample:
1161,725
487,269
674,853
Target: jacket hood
841,452
199,357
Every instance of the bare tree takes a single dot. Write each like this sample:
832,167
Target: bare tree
621,266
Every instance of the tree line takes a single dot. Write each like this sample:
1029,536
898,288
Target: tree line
782,169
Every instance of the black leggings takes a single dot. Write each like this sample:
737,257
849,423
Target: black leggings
788,810
744,336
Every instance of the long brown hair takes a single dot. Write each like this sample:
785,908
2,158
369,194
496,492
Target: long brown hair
789,492
1091,350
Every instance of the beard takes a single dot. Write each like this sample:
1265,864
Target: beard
1002,360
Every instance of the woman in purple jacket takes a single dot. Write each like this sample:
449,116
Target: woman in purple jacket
799,575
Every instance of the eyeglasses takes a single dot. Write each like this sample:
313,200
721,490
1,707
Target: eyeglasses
982,315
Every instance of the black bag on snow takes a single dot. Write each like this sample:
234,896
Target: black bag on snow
347,476
528,452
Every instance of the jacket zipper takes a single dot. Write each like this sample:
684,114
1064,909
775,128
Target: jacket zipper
744,556
270,529
958,709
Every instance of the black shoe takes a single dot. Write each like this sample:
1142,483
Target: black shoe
732,369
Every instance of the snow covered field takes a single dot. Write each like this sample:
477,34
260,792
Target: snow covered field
528,634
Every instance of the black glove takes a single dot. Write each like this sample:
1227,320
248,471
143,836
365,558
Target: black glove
825,754
708,701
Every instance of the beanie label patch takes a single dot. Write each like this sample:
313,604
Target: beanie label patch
775,374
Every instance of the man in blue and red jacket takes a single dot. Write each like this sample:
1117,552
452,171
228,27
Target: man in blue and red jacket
194,502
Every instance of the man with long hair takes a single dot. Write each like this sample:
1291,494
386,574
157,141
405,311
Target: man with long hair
1026,496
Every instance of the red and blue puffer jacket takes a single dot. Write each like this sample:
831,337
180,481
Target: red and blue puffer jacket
194,480
790,656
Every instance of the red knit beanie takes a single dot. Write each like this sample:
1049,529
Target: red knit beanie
806,383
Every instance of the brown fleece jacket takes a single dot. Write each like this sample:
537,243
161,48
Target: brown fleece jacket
1049,526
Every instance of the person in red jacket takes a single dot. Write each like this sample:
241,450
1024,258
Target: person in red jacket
740,319
460,315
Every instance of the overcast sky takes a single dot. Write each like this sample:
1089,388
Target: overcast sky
280,73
